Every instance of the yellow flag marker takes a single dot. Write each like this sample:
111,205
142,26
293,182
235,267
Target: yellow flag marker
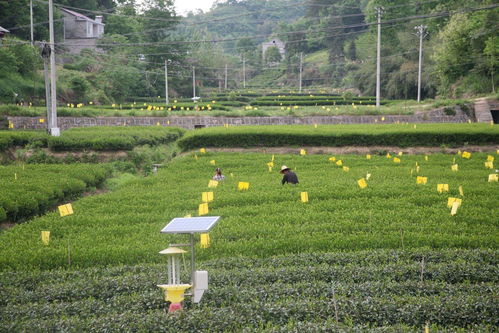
303,152
207,196
400,153
421,180
388,155
203,209
202,150
346,169
396,160
368,156
454,208
332,159
304,196
212,183
461,192
489,165
451,201
493,177
466,154
454,167
426,158
66,209
212,162
490,158
442,188
205,241
362,183
243,186
339,163
45,237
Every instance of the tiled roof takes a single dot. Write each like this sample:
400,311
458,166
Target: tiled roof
3,30
81,16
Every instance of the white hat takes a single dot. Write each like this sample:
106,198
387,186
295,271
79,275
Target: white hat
284,168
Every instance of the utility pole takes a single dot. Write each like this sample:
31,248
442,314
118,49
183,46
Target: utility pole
53,129
45,51
244,72
301,70
225,77
378,59
194,82
31,20
421,32
167,101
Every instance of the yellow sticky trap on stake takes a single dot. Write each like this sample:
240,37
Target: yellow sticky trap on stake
414,126
426,158
304,196
421,180
212,162
66,209
207,196
339,162
454,167
461,192
490,158
272,158
382,118
243,186
315,125
368,156
11,124
451,201
212,183
270,169
388,155
466,154
362,183
400,153
493,177
41,120
203,209
455,206
205,240
196,157
202,150
157,124
489,165
45,237
346,169
270,164
442,188
303,152
368,176
15,175
332,159
396,160
417,168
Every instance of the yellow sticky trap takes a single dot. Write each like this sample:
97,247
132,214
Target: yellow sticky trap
304,196
157,124
417,168
454,167
426,158
412,171
388,155
15,175
168,122
45,237
493,177
461,192
454,160
382,118
490,158
339,162
400,153
41,120
212,183
332,159
362,183
442,188
346,169
203,209
66,209
202,150
466,154
451,201
315,125
396,160
270,164
243,186
232,175
11,124
270,169
414,126
205,241
207,196
196,157
212,162
303,152
421,180
459,152
489,165
368,156
454,208
272,158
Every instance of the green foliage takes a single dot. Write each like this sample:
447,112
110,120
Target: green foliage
272,55
342,135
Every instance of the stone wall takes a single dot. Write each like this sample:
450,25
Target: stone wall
194,122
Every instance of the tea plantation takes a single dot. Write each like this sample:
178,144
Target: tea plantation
387,257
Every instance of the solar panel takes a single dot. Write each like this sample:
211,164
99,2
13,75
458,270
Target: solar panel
187,225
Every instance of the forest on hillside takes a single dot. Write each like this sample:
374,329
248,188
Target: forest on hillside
337,39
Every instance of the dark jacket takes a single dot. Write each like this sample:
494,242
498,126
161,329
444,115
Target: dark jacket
290,177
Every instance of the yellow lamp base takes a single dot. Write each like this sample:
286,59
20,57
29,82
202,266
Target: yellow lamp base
174,292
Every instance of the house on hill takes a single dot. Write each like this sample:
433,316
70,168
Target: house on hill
277,43
81,32
2,33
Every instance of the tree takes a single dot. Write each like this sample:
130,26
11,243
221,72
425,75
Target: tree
491,50
272,55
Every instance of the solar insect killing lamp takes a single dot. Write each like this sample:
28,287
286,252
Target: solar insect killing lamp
175,290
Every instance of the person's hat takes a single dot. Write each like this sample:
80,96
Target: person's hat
218,170
284,168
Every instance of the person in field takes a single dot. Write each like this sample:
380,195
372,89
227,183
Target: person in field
218,175
289,176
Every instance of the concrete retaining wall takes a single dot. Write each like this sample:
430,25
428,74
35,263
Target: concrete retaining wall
192,122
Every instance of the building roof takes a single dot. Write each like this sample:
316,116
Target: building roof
81,16
2,30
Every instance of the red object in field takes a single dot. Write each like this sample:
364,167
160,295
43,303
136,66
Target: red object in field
174,307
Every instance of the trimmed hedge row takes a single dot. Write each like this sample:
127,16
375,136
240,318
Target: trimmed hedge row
313,97
311,102
343,135
22,138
